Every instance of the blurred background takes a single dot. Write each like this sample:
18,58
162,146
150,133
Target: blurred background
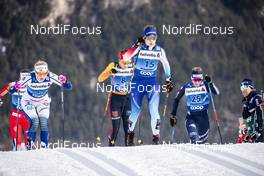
227,58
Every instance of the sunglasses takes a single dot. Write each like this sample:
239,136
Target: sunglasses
196,79
243,87
151,38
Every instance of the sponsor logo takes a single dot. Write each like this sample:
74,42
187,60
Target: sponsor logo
40,85
146,73
197,107
195,90
149,54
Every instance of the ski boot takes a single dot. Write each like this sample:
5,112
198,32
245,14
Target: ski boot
111,143
29,143
131,138
155,140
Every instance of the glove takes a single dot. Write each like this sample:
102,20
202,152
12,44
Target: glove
62,79
169,85
173,121
1,102
139,41
17,86
114,70
207,79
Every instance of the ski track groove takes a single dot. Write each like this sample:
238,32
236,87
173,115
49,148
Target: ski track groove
241,159
111,162
88,163
224,162
99,163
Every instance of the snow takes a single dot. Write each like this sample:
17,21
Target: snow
176,159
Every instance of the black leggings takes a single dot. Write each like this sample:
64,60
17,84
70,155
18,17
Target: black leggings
197,125
120,109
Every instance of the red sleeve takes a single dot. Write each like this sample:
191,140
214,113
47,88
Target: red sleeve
4,91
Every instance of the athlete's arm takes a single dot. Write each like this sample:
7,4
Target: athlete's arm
179,95
5,90
165,63
56,80
21,83
213,88
106,73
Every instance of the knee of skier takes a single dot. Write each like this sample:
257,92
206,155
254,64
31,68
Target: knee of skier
44,124
34,125
115,115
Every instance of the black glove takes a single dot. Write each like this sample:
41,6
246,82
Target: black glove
207,79
139,41
169,85
114,70
173,121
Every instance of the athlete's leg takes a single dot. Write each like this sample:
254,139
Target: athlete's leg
136,103
202,124
125,116
115,109
43,111
192,129
153,104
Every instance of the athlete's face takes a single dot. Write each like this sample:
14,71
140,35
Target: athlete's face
124,64
196,81
151,41
245,90
41,76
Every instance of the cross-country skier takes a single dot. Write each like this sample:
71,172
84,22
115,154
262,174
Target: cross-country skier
144,82
17,115
252,113
36,101
197,99
120,108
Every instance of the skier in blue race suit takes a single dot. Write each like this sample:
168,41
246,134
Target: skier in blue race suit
144,82
197,99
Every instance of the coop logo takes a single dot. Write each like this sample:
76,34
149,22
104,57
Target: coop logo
149,54
197,107
146,73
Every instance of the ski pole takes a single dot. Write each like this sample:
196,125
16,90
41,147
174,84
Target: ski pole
172,134
139,141
63,115
215,114
164,114
165,105
18,104
262,104
107,103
